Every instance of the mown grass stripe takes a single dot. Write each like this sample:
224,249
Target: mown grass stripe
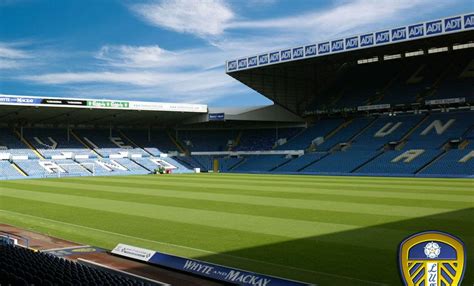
290,187
273,226
268,265
302,179
242,207
364,208
264,191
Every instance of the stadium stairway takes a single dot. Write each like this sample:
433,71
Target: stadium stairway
178,145
23,139
83,143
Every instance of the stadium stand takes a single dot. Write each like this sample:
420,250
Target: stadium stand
154,142
300,163
304,139
11,144
7,171
52,142
345,134
259,163
23,267
453,162
207,140
264,139
108,143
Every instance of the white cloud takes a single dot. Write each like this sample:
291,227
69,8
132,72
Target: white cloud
203,18
155,57
197,74
11,57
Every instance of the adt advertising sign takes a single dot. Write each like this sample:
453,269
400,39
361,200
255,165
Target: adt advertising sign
263,59
352,43
452,24
434,27
242,63
416,31
469,21
324,48
274,57
399,34
337,45
366,40
310,50
252,61
298,53
286,55
232,65
382,37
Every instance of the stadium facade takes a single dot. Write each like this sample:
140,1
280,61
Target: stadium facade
395,102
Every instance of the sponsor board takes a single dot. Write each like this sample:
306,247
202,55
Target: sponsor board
445,101
59,101
134,252
373,107
204,269
101,104
108,104
19,100
216,116
399,34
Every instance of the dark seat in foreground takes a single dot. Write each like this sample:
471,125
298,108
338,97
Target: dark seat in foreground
20,266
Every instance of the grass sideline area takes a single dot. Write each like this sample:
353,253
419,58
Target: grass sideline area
319,229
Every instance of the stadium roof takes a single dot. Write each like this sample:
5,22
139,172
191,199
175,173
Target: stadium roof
49,110
291,77
28,110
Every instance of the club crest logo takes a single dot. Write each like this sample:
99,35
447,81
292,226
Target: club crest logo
432,258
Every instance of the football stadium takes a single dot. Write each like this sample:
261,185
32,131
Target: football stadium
370,140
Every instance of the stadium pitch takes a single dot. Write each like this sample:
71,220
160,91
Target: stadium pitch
324,230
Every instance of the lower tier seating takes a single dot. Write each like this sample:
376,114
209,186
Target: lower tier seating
24,267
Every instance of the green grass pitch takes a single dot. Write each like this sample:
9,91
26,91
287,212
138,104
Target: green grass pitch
325,230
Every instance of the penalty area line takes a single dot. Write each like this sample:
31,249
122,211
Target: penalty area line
197,249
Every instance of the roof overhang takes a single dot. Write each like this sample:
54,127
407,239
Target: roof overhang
33,110
291,77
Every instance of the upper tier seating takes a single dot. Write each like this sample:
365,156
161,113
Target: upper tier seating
106,145
399,81
50,142
346,133
24,267
320,129
264,139
459,82
158,141
207,140
10,144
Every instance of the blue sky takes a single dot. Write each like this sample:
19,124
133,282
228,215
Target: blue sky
173,50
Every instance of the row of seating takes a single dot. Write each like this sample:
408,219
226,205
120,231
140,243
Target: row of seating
400,81
364,145
24,267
